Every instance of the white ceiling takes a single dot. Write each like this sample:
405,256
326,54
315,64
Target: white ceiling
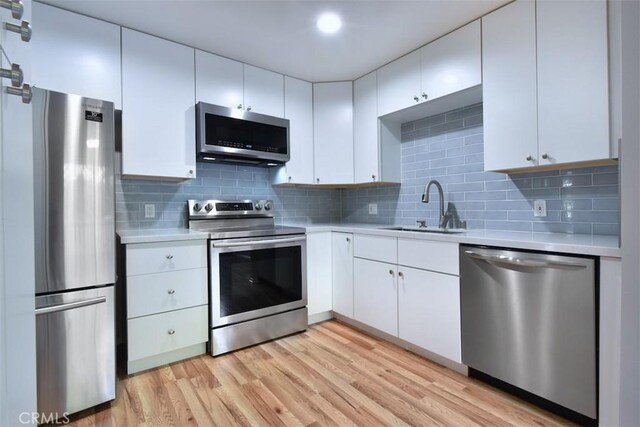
282,36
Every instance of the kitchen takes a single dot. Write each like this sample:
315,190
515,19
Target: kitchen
272,229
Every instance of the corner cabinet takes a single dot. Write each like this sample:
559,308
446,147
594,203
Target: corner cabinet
333,133
342,273
158,120
319,270
298,108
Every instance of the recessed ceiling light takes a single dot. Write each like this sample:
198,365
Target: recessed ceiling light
329,23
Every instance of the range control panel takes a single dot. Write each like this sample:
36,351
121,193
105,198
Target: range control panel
229,208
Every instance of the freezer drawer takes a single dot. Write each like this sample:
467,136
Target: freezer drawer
529,319
75,350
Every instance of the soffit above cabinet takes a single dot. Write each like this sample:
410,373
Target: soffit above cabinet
281,35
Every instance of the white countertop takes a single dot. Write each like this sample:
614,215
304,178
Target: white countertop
160,235
581,244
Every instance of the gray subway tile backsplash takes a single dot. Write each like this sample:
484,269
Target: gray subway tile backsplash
447,147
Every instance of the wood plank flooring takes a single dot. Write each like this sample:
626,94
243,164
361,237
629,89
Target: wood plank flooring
330,375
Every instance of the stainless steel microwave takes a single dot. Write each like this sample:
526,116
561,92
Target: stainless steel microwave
234,135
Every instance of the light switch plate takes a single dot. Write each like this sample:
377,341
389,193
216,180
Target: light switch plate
540,208
149,211
373,209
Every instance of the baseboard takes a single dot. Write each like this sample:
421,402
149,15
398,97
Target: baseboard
134,366
320,317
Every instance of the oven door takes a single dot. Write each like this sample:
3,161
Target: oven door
256,277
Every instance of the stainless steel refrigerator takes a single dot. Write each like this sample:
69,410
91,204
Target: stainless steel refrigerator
75,251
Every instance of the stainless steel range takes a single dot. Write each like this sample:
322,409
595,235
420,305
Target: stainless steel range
257,273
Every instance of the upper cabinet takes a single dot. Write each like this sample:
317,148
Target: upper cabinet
509,87
158,118
76,54
223,81
263,91
447,65
219,80
545,84
452,63
298,108
333,132
573,85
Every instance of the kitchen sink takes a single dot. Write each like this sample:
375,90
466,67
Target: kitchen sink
428,230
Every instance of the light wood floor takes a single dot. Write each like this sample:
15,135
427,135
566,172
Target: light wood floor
329,375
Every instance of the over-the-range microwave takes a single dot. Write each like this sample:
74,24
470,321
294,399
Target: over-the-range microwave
234,135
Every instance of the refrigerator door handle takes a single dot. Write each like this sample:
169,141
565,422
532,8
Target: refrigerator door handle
70,305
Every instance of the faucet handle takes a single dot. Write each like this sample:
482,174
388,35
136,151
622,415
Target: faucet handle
422,223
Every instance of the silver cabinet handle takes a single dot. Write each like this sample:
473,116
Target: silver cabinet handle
15,74
524,262
171,291
373,177
348,239
239,107
171,332
529,158
69,306
16,7
318,180
24,91
391,272
415,98
289,179
23,29
424,95
169,257
545,156
249,108
400,274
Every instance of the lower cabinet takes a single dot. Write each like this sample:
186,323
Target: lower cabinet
429,311
342,273
375,292
318,273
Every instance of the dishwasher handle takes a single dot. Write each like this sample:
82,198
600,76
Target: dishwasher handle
524,262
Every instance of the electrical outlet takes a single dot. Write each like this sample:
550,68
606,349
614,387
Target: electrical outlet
149,211
373,209
540,208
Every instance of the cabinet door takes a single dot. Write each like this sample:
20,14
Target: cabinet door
158,137
219,80
366,151
573,91
298,108
452,63
342,267
333,132
375,295
263,91
509,88
318,273
429,311
399,84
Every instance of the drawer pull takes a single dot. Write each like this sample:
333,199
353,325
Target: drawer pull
169,256
171,291
171,332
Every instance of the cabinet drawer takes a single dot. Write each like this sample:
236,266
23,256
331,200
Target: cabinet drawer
145,258
160,292
377,248
151,335
429,255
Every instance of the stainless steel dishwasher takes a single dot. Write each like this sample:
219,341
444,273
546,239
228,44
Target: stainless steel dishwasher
529,320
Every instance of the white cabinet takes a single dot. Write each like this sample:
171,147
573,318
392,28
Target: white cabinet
298,108
342,277
76,54
399,84
263,91
573,92
158,136
509,87
429,311
333,132
366,152
452,63
319,273
375,295
219,80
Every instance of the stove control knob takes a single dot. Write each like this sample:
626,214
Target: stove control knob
197,207
258,206
208,207
268,206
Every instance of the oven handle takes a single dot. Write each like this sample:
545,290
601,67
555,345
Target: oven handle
257,242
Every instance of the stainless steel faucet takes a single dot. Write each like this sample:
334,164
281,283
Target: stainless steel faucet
445,217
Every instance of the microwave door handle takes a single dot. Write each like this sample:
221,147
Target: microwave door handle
257,242
524,262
